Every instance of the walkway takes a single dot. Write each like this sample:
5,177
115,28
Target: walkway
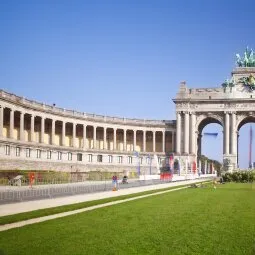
20,207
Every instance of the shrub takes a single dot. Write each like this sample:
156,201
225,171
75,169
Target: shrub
239,176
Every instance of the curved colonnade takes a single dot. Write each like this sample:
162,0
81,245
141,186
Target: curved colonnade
38,136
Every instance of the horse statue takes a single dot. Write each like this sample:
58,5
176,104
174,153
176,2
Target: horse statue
248,60
239,61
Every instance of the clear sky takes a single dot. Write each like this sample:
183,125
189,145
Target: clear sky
124,57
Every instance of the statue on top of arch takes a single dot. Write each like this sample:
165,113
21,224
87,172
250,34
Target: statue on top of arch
248,60
228,83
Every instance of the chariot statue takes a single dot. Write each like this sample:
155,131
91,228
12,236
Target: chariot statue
248,60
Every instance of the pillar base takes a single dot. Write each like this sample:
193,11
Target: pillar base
230,162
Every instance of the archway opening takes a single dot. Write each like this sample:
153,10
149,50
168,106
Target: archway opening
212,142
210,139
245,143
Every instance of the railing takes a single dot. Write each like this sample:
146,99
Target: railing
25,193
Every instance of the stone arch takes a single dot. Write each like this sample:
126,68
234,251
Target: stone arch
202,121
243,119
205,119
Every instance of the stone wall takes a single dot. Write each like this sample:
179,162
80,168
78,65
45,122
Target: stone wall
6,164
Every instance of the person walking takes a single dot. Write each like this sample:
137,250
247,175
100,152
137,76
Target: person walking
115,182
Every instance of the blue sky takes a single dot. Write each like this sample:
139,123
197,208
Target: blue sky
122,58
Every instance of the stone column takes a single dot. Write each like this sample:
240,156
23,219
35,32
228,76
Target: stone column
105,141
1,121
84,137
193,134
32,128
186,133
11,122
21,126
199,143
178,132
63,139
154,141
94,137
42,129
164,141
125,139
114,139
233,134
226,133
134,144
53,122
74,134
173,141
144,140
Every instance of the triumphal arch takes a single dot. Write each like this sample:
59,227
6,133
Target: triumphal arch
231,105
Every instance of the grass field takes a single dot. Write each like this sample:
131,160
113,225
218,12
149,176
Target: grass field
65,208
190,221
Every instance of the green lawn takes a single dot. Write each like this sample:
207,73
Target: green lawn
191,221
65,208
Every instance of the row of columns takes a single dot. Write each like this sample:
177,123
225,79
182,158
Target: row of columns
188,132
191,136
74,132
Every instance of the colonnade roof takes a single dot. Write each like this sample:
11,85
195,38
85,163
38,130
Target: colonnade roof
52,109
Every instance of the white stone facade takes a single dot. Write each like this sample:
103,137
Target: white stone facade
231,107
37,136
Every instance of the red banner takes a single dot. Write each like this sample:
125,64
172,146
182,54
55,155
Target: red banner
194,167
31,179
166,176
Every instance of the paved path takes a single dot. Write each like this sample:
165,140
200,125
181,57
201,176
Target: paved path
19,207
9,209
41,186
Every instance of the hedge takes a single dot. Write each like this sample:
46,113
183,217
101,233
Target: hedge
239,176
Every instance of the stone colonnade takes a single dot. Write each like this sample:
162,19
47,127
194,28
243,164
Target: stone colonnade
191,142
148,137
186,132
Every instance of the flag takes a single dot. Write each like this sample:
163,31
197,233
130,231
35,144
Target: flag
138,166
211,134
186,166
199,167
156,159
150,160
194,167
136,153
171,163
179,167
